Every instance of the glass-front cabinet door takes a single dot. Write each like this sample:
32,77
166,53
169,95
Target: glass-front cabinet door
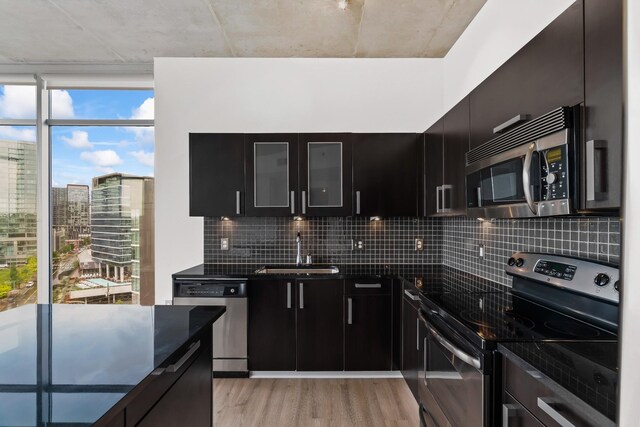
272,174
325,174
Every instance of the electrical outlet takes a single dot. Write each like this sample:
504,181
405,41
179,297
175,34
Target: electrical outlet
357,245
224,244
419,245
481,251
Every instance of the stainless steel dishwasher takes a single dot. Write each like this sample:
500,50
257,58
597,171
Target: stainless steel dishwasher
230,331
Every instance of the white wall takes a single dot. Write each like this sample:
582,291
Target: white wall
499,30
269,95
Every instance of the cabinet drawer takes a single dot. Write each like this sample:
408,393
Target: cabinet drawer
368,286
516,415
545,404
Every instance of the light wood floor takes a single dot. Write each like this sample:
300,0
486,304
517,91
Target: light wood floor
314,402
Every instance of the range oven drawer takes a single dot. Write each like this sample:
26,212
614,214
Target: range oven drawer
552,408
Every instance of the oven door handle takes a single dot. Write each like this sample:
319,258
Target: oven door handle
460,354
526,178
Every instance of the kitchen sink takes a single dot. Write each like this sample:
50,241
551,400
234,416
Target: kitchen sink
298,269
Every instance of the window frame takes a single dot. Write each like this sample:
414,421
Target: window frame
43,122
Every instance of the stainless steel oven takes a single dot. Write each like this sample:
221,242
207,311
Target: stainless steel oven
529,171
454,378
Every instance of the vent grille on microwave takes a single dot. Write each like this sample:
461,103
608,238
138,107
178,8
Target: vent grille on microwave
551,122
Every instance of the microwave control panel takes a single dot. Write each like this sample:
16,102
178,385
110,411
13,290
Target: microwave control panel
555,173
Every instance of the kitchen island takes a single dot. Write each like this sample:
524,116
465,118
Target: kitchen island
106,365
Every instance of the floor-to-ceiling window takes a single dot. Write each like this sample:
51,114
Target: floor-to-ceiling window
102,196
18,198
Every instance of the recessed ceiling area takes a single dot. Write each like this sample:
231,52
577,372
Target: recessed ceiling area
126,31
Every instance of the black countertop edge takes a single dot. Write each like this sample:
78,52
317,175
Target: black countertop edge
571,396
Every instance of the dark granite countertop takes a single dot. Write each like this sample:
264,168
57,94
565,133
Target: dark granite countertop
588,371
70,364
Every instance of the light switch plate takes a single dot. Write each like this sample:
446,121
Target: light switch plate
224,244
419,245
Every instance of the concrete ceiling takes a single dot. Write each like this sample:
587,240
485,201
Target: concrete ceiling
136,31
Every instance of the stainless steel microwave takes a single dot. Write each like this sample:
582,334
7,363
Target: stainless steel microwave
529,171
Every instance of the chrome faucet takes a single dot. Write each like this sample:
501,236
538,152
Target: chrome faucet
299,255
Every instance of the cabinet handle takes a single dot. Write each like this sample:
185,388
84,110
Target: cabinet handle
445,188
368,285
438,193
304,202
349,311
293,202
511,122
357,203
301,295
479,193
288,294
424,361
508,411
411,296
176,366
591,147
544,404
238,202
417,333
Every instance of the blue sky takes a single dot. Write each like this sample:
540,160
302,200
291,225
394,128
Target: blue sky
80,153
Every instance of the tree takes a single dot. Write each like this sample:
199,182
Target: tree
13,276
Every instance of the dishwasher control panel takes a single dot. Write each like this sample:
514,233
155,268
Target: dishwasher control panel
211,290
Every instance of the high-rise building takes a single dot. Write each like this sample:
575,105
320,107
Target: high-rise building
18,201
77,211
122,235
59,206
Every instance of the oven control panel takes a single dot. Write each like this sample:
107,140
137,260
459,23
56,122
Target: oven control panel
582,276
555,269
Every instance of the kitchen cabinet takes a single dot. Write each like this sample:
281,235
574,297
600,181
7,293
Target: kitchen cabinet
603,116
216,183
272,313
272,174
455,130
319,332
368,325
385,174
189,401
325,174
545,74
410,342
431,172
514,414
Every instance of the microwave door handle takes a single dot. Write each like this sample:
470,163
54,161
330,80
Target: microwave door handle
526,178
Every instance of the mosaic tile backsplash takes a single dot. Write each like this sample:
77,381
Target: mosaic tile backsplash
453,242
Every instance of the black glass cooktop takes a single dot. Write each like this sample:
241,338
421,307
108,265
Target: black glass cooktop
489,318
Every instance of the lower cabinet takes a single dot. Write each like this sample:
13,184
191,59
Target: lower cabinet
410,344
368,325
319,329
320,325
272,325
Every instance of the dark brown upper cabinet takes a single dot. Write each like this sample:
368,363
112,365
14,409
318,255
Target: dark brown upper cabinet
272,174
431,171
385,174
325,174
455,144
216,174
603,116
545,74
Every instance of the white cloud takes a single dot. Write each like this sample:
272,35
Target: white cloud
145,110
18,133
61,105
18,102
101,158
79,139
145,158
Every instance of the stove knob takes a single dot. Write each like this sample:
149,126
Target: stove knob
616,286
601,280
519,262
512,261
552,177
